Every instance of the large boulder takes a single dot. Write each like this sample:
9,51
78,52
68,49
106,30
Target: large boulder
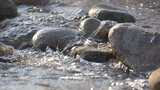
55,38
154,80
32,2
7,9
104,12
137,46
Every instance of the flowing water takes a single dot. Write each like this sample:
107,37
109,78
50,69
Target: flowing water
35,70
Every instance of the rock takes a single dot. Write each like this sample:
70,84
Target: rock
89,25
32,2
154,80
53,38
18,39
7,9
93,54
103,12
92,27
102,32
5,49
137,46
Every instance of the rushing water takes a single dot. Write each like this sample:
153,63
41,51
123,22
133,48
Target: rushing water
50,70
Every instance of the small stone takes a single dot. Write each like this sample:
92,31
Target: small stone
137,46
6,50
104,12
154,80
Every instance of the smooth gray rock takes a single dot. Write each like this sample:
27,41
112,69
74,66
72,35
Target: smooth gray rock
104,12
89,25
92,27
55,38
136,45
7,9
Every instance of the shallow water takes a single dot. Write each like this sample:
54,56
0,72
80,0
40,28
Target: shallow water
49,70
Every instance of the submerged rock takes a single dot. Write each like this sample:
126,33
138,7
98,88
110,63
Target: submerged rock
137,46
32,2
154,80
55,38
104,12
7,9
93,54
5,49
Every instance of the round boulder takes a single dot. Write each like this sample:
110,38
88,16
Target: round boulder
104,12
139,47
7,9
92,27
154,80
55,38
89,25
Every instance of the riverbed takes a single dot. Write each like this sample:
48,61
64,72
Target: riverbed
36,70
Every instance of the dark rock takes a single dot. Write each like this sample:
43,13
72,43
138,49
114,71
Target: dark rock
55,38
137,46
93,54
19,40
154,80
103,12
32,2
7,9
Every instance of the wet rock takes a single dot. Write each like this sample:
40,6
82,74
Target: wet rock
7,9
32,2
104,12
137,46
92,27
55,38
93,54
89,25
154,80
17,39
5,49
102,32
